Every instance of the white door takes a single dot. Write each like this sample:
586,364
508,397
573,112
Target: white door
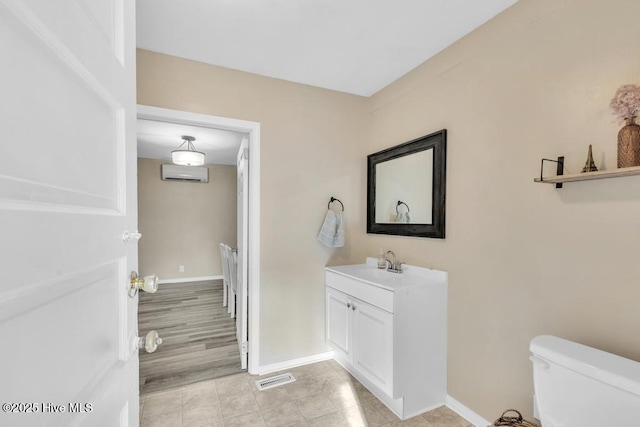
373,344
243,250
338,326
67,194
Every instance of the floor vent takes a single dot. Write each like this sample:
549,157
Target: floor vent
275,381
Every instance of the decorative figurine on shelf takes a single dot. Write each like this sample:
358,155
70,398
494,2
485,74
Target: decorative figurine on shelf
626,104
590,165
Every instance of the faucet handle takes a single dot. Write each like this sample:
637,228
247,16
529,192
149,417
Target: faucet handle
399,266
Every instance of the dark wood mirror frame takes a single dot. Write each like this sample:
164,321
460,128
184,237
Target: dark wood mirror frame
436,141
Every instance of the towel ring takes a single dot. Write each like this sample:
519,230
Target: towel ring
402,203
333,199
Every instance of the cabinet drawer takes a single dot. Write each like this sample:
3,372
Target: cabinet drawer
374,295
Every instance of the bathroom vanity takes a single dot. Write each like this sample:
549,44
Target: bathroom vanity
390,331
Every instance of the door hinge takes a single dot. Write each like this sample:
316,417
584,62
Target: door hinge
245,154
244,348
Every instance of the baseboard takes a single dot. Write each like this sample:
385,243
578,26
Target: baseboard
466,413
189,279
288,364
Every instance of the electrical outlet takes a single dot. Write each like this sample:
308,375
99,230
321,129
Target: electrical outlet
181,269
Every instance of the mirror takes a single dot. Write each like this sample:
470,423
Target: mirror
406,188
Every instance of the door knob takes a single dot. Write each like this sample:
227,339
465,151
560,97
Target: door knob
150,342
147,284
127,236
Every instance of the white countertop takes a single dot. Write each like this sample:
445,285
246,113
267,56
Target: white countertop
411,275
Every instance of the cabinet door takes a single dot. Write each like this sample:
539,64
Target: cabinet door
339,323
373,344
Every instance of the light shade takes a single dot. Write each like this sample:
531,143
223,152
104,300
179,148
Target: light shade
187,156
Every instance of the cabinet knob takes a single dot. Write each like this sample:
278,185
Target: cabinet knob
353,307
348,305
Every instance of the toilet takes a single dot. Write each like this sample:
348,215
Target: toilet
580,386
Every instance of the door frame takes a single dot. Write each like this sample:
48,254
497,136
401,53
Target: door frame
146,112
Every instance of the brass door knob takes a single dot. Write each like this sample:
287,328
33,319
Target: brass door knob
147,284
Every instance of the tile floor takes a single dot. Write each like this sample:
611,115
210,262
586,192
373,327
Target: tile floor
323,395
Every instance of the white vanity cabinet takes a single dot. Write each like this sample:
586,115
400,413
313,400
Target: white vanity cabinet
389,331
339,322
373,344
362,335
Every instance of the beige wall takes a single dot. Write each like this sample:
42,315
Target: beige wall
523,258
183,223
309,146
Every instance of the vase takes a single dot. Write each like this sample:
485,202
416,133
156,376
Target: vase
629,144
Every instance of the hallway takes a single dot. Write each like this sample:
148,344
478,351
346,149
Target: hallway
199,336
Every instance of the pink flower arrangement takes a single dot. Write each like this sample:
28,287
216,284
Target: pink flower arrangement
626,103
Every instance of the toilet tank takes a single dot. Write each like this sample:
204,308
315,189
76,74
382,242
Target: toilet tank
580,386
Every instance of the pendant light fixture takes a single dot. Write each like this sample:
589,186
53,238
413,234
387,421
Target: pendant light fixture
187,156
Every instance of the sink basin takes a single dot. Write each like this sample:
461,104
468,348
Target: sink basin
369,273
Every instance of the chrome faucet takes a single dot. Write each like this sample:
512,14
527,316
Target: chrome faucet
395,266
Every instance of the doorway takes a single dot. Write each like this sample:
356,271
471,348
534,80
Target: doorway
199,336
248,224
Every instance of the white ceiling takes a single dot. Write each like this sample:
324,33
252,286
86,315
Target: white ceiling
354,46
157,139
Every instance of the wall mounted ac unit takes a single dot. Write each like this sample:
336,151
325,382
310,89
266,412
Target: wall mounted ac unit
185,173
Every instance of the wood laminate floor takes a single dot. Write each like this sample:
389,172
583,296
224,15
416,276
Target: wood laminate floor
199,336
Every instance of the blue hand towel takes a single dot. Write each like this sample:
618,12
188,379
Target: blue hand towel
332,232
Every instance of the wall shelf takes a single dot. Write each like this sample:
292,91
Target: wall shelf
586,176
